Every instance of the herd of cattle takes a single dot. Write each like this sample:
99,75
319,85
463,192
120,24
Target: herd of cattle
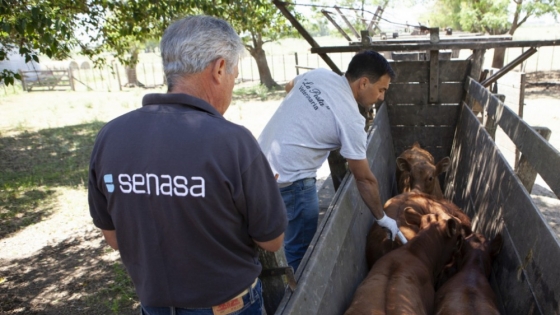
444,267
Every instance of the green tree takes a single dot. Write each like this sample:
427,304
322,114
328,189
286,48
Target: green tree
491,16
58,27
46,27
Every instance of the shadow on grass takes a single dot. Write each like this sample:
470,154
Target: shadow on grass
258,93
70,277
33,163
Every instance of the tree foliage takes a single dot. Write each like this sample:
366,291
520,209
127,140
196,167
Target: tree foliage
57,28
490,16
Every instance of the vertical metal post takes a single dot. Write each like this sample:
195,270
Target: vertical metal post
434,67
523,80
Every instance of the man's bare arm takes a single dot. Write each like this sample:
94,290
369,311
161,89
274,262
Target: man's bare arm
272,245
111,238
289,86
367,186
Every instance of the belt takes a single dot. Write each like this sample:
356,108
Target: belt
234,304
247,290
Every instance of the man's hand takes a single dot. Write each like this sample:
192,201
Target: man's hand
389,224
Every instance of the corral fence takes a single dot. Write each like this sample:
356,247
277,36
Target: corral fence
82,76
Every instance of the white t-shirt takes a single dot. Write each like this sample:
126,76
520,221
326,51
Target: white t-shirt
319,115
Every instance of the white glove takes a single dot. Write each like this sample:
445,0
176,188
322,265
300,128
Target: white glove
389,224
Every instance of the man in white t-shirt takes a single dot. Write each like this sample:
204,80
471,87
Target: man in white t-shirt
320,114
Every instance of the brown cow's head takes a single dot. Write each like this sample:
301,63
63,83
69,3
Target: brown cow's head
479,250
448,230
416,171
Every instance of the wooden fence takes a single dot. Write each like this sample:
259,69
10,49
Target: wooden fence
283,68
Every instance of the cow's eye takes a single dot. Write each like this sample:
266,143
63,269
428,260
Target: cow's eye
430,178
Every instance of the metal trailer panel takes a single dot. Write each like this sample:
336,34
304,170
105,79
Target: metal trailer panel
542,156
525,273
417,93
418,115
419,71
334,264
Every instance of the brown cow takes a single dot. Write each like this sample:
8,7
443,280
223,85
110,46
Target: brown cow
378,243
416,171
402,282
469,292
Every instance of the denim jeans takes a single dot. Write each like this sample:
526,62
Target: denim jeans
252,301
302,207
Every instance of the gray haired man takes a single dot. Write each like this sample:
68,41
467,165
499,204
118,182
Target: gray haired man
182,193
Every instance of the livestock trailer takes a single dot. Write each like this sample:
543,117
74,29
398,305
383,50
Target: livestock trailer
432,102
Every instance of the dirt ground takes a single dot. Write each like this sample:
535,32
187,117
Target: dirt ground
61,265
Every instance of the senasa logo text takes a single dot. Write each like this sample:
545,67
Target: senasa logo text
165,185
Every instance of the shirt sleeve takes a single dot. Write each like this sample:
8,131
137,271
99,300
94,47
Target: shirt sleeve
266,213
98,202
353,138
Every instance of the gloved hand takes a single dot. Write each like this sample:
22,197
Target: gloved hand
389,224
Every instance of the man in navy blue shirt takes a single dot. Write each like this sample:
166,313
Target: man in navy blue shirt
183,194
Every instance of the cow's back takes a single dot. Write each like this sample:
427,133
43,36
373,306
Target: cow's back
469,291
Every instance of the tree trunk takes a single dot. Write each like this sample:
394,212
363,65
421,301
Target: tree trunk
131,74
499,56
262,64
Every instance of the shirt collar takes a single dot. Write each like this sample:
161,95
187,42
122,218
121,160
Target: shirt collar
179,99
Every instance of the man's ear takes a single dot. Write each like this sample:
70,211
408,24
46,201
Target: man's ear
363,82
219,69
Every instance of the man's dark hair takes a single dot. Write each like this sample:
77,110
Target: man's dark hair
369,64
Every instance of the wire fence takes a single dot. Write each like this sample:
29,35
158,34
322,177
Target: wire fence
283,68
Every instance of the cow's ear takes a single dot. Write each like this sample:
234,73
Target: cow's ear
412,217
496,245
402,164
452,227
443,165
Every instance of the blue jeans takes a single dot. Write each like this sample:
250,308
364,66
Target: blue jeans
252,301
302,207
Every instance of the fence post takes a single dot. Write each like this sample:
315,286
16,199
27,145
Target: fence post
241,69
71,78
523,79
297,64
116,65
526,173
284,64
22,80
109,83
251,64
552,58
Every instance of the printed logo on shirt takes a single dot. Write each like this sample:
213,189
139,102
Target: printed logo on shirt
312,94
108,179
165,185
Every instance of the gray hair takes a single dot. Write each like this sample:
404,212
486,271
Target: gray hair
190,44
